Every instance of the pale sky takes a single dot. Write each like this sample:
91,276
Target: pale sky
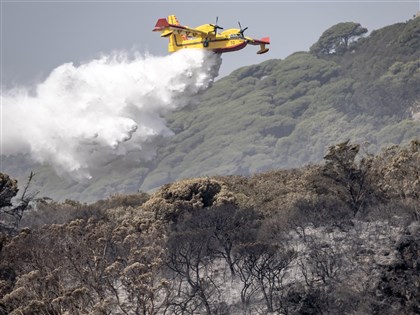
37,36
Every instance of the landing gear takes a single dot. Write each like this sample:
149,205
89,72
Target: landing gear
206,43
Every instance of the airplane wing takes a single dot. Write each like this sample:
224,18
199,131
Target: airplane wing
265,40
167,29
262,42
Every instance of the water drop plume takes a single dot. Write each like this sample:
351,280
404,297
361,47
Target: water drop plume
108,111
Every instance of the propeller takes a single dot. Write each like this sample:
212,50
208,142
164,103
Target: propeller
215,26
242,30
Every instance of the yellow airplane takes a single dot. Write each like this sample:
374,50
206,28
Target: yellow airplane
206,37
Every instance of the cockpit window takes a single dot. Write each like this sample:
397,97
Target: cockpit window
235,36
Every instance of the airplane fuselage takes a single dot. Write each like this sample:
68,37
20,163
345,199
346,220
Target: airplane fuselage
227,41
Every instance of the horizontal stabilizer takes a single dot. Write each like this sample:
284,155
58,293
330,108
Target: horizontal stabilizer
166,33
265,40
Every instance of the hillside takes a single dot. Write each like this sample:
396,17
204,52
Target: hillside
340,237
277,114
285,113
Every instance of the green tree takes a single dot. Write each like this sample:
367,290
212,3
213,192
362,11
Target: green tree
337,38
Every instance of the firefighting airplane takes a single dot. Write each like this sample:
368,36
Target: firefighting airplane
206,37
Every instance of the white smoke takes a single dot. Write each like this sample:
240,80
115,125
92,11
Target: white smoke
82,118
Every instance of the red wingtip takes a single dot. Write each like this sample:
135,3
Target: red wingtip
266,40
161,24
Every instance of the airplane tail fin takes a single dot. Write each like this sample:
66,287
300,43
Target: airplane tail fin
173,20
172,43
164,27
174,39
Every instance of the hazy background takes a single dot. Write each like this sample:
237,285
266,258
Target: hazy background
38,36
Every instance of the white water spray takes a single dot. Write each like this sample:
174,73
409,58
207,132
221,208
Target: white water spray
82,118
